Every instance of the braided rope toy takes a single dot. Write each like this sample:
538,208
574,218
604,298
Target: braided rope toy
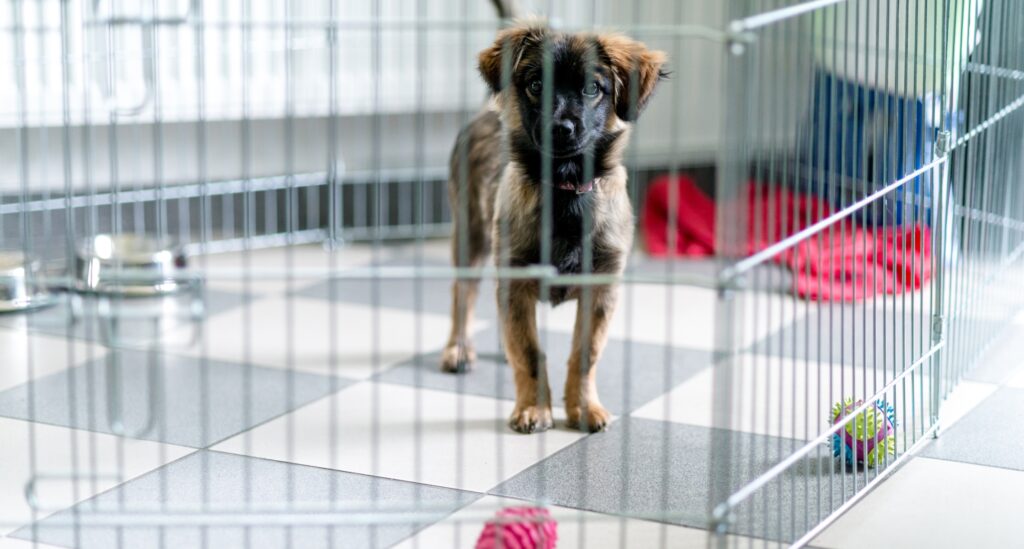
519,528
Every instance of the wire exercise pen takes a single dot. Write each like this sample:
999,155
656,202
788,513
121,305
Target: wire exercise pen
235,134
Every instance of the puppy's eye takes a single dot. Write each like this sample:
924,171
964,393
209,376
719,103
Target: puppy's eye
591,89
536,86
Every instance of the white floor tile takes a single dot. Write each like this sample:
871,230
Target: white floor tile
1017,381
58,451
463,441
45,354
936,504
365,341
793,398
225,270
11,543
575,529
682,316
996,301
965,396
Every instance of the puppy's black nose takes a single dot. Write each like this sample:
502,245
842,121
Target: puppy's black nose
564,129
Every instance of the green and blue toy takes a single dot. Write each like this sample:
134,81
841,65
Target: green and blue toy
867,438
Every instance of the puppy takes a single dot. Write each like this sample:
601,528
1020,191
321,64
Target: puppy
568,131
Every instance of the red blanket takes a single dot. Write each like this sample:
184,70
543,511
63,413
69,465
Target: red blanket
849,263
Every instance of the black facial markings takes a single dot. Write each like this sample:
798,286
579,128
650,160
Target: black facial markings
571,169
568,209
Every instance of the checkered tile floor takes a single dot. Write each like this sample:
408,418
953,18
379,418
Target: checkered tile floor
298,396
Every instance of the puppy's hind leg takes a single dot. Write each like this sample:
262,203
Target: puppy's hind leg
458,355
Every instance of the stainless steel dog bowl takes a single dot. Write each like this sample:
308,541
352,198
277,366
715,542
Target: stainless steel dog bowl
21,283
128,264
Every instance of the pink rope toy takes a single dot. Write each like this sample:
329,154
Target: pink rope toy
519,528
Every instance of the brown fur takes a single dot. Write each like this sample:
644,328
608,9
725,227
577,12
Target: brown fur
496,210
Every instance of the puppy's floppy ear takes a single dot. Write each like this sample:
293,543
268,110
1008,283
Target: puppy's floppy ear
508,48
637,70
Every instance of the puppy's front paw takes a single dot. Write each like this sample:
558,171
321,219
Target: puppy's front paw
457,359
597,418
531,419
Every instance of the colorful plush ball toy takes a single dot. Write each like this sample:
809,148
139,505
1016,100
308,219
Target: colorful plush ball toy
869,437
519,528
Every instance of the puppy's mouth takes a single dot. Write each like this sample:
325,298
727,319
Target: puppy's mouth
578,188
563,153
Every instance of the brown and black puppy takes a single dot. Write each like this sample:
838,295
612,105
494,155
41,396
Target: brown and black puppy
566,131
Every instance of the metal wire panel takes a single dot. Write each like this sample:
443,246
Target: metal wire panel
297,152
905,100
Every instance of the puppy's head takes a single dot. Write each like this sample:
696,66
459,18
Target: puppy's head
573,87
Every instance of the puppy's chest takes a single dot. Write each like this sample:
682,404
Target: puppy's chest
569,251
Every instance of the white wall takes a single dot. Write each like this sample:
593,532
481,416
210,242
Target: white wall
430,72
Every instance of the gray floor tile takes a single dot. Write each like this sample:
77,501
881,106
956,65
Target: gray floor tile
163,397
852,334
641,467
433,294
629,374
143,318
991,434
222,480
429,295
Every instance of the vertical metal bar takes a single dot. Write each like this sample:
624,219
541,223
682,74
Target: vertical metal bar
69,250
418,221
921,39
113,365
866,232
334,213
752,153
822,152
22,146
968,268
375,165
834,183
205,224
249,229
791,180
673,211
955,170
291,226
92,227
805,180
584,304
627,306
728,314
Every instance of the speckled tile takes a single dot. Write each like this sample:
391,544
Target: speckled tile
68,466
628,374
163,397
660,471
992,434
861,336
230,481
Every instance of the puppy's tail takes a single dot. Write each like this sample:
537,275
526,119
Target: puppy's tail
507,9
